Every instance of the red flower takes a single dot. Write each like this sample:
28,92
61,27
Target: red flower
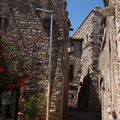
10,88
29,72
21,82
1,69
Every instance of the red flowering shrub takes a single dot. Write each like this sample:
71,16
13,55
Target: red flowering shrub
14,69
1,69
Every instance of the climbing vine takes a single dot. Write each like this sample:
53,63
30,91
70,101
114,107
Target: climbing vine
14,69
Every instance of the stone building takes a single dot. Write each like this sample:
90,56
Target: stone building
23,25
84,88
74,51
109,60
98,68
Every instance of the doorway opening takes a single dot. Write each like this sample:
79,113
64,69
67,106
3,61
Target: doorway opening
9,102
83,97
88,97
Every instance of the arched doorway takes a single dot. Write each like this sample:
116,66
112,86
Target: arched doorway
83,97
88,97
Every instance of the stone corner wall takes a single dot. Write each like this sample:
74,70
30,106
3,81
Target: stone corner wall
109,62
30,30
89,73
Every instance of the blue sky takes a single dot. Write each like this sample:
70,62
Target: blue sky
79,9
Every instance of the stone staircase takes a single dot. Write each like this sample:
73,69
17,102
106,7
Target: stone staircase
77,115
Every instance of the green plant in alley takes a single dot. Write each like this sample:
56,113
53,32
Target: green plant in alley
36,106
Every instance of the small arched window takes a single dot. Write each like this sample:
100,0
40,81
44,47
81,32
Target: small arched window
4,23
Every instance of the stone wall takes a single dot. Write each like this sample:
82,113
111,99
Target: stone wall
87,64
74,79
109,63
107,67
30,30
117,70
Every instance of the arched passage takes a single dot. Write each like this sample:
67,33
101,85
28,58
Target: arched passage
88,97
83,97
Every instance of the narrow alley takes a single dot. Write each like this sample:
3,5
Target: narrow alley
59,59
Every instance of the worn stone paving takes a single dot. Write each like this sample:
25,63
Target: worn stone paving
76,115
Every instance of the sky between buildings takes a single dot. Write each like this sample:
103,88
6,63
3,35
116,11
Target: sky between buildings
79,9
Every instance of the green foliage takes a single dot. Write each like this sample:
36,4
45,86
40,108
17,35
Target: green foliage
13,66
36,106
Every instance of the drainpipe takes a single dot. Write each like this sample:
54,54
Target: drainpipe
50,58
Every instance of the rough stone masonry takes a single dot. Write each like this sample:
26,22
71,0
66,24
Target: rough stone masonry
86,73
30,29
109,61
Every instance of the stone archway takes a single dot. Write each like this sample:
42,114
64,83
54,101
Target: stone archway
83,97
88,97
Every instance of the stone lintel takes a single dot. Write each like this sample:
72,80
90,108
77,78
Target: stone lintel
107,11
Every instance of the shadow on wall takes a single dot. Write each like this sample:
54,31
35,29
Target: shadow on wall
88,100
46,22
104,43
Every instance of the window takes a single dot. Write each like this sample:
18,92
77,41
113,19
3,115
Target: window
70,72
78,48
81,47
72,96
70,46
4,23
100,37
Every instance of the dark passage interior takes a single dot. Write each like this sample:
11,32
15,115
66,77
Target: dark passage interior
83,97
87,101
88,98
